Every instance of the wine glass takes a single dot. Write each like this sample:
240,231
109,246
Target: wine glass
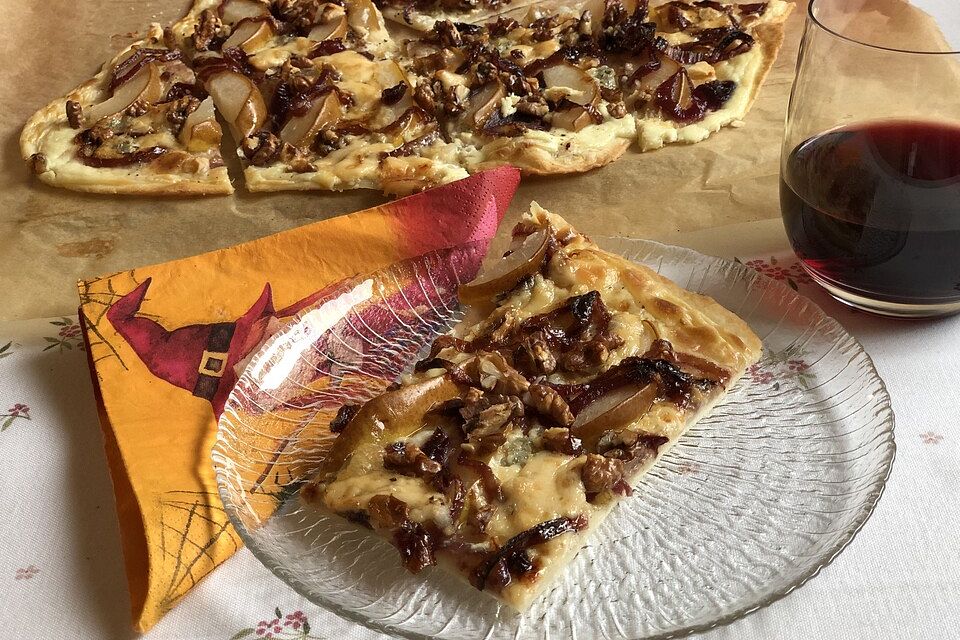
870,169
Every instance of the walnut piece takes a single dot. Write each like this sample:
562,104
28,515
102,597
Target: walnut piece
600,473
407,459
74,114
38,163
547,402
209,28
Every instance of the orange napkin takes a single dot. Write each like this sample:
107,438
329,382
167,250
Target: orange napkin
164,342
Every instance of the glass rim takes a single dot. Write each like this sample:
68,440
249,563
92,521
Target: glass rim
822,25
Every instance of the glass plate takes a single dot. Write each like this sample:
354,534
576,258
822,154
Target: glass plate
752,502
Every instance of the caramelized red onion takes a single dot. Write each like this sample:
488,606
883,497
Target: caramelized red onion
132,65
142,156
498,564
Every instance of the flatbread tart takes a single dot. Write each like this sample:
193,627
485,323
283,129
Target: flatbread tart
573,372
320,95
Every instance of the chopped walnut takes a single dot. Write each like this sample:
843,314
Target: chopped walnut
447,34
178,110
547,402
534,356
425,97
537,108
38,163
407,459
209,28
560,440
600,473
493,419
137,108
494,374
74,114
261,148
617,110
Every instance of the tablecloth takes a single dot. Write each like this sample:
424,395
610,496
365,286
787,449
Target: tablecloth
61,575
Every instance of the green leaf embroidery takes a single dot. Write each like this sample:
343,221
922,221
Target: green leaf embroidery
54,340
278,613
306,627
793,285
59,323
6,423
243,633
6,347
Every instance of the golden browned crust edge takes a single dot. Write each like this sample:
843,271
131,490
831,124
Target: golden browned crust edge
771,36
533,159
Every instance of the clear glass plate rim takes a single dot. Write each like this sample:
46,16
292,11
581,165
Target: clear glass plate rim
867,508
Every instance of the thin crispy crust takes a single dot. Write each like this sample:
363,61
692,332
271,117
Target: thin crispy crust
559,151
134,180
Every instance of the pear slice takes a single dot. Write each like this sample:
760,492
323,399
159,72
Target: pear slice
364,17
504,275
251,36
393,415
146,85
668,68
573,119
336,28
579,87
233,11
615,410
325,111
412,123
239,100
483,104
200,130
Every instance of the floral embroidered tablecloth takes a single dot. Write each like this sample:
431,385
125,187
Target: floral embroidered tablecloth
61,575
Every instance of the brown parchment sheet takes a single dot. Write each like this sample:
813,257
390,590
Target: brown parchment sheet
51,237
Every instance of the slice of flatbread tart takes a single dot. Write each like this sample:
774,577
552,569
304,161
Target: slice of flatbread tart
572,373
143,125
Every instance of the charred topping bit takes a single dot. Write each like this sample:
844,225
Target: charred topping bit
407,459
415,543
38,163
327,48
438,446
393,95
754,9
549,403
344,415
560,440
74,114
388,512
491,571
358,517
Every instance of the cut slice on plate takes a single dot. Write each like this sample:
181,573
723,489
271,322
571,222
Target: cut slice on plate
511,441
140,126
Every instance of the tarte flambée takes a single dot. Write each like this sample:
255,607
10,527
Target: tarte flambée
574,371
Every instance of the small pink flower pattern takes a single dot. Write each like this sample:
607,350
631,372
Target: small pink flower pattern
292,626
19,411
27,573
931,437
789,270
68,336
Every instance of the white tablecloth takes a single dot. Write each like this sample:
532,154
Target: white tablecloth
61,575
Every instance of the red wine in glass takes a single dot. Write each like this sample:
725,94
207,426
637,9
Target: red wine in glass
873,208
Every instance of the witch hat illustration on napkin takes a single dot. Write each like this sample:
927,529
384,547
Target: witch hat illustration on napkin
200,358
